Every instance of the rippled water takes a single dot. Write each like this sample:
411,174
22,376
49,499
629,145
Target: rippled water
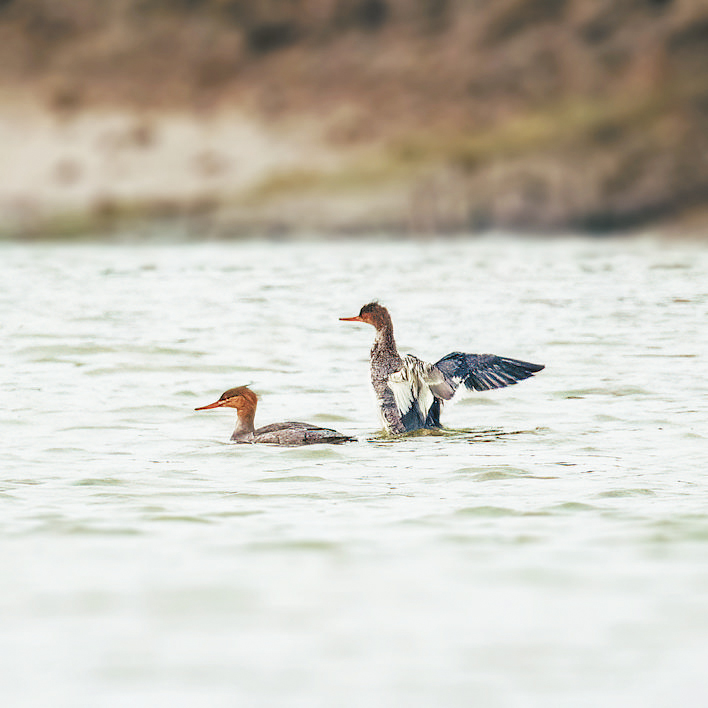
555,555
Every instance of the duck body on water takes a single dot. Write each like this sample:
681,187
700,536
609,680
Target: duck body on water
290,433
411,392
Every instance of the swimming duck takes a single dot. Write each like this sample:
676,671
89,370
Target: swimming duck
291,433
411,392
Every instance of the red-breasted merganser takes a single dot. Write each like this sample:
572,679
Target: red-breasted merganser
290,433
411,392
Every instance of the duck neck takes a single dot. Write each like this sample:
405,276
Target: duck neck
244,424
384,343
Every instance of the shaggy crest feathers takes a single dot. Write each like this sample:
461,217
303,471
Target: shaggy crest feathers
243,391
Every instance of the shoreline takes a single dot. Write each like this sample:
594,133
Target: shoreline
230,175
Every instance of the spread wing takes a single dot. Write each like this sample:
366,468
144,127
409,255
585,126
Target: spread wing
480,372
419,389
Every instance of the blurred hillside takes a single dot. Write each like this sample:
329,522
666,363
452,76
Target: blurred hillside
347,115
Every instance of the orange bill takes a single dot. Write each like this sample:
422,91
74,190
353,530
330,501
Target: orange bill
216,404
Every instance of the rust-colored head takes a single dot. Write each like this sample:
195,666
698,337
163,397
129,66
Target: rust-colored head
373,314
241,398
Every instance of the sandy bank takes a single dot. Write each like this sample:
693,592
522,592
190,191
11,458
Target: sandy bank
103,162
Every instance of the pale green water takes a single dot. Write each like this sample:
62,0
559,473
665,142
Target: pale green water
147,562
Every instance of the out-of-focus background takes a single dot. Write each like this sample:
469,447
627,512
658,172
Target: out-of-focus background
550,548
232,117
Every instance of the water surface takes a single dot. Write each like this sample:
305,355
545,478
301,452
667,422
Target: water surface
552,551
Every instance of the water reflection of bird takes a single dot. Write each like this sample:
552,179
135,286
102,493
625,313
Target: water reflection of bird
411,392
290,433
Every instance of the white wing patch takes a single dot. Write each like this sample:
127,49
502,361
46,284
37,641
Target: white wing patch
412,383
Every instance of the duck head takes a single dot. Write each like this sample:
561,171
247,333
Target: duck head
373,314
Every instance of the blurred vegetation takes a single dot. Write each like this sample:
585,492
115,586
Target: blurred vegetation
524,114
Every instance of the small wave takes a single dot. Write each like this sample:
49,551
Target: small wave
293,478
613,493
572,506
304,544
494,511
99,482
182,518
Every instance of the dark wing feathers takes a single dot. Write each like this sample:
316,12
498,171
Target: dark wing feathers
413,418
433,418
481,372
